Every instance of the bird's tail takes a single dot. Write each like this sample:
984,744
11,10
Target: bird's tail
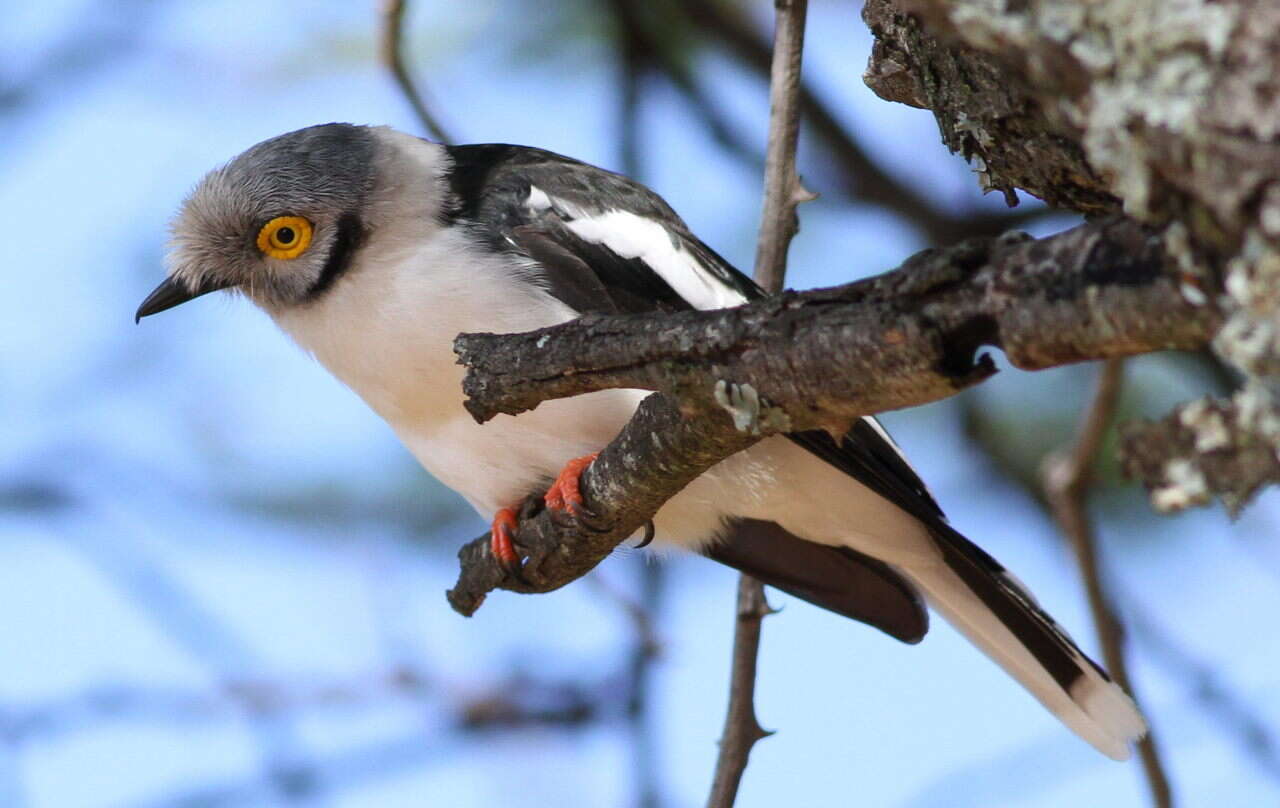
990,607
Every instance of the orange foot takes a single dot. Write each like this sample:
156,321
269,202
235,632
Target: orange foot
564,494
500,535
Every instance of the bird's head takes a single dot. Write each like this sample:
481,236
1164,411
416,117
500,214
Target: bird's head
279,222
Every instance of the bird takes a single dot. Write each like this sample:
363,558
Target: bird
373,249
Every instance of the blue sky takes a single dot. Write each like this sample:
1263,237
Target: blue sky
193,502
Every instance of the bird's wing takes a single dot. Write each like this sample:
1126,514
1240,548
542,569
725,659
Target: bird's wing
602,243
605,244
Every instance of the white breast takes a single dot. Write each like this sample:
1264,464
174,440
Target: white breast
386,330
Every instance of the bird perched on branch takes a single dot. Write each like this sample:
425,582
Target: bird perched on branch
373,249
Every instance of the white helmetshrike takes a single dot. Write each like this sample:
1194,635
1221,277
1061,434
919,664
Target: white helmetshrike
374,249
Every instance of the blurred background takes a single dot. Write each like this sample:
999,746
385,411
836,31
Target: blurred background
222,578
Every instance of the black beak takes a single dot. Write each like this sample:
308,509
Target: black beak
172,292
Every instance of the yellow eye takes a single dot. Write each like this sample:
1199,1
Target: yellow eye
285,237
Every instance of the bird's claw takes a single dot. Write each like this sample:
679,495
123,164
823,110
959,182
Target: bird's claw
502,546
580,518
565,495
649,532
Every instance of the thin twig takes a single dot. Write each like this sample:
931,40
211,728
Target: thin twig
391,52
1066,482
741,728
782,189
778,224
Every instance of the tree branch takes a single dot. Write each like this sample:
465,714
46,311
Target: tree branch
1066,485
987,114
813,360
783,192
824,357
658,452
1165,109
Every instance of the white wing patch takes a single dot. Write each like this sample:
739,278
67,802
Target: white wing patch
538,199
633,236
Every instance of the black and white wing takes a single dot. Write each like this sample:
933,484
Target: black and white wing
606,244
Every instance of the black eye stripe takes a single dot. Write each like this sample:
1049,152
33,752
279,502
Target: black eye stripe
349,237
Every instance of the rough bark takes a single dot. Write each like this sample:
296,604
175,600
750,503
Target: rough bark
986,113
824,357
814,359
1169,111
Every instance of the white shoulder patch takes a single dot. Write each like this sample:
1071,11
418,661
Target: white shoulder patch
633,236
538,199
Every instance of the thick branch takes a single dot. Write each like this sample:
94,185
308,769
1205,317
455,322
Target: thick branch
819,359
824,357
986,113
1167,108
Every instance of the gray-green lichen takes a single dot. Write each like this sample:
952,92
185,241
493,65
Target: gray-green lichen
1176,107
1183,487
1250,339
1207,448
751,414
1118,71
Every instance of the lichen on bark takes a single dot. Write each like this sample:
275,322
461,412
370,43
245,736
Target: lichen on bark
1167,110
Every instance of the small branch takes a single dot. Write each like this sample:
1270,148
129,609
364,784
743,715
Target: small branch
779,223
1066,483
391,52
741,728
782,189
